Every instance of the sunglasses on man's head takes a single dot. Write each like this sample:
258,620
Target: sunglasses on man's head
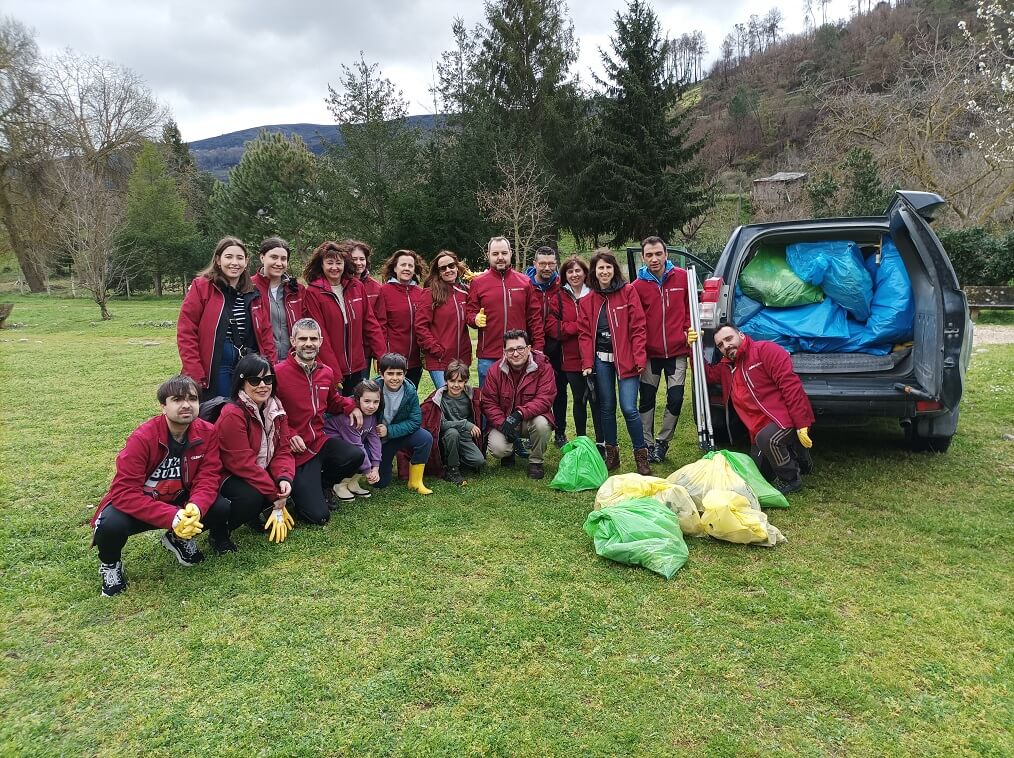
255,381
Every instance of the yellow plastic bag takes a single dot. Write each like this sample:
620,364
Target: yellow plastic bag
728,516
625,486
701,477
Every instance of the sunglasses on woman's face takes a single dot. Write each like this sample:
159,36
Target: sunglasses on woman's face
447,266
255,381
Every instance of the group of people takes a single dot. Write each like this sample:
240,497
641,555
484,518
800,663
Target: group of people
274,407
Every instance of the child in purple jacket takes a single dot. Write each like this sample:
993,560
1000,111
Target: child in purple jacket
367,396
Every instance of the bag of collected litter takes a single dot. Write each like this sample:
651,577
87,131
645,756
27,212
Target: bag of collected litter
626,486
581,467
836,266
768,279
743,464
715,473
819,320
639,532
744,308
728,516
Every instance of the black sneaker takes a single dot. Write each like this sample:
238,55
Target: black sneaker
453,475
653,454
223,544
521,448
787,488
507,461
329,498
560,440
113,579
186,551
660,451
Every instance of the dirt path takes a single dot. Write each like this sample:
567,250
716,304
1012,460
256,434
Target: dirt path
994,334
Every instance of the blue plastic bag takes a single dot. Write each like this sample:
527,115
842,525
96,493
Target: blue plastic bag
836,266
786,326
744,308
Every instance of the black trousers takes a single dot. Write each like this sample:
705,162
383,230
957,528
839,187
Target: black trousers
777,452
349,382
560,403
414,375
246,503
335,461
582,399
115,527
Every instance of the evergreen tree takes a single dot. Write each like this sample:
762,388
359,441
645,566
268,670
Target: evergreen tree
866,194
642,178
156,238
823,193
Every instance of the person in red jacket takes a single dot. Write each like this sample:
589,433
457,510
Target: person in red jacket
545,279
770,400
517,399
307,389
440,318
257,462
400,298
361,253
612,343
501,300
565,327
217,324
662,288
336,299
167,477
281,297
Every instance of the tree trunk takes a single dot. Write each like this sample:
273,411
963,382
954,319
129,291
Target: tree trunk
35,276
158,284
104,308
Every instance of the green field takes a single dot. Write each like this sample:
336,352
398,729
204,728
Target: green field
480,620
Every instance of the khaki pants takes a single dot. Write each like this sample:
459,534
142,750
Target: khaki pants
537,430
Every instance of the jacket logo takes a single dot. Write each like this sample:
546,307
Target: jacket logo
755,365
196,457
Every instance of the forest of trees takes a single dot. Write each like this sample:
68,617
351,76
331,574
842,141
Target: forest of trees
899,95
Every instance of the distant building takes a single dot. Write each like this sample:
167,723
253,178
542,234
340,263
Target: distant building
782,188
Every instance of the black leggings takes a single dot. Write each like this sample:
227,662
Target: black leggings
414,375
115,527
560,404
246,502
336,460
349,382
579,389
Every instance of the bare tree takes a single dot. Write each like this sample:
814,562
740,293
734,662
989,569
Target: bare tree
519,205
994,103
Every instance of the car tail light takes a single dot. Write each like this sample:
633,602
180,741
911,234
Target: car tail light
927,406
709,302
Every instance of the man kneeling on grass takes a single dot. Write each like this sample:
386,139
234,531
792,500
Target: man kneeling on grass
167,477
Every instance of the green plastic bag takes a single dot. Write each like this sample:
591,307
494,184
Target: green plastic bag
639,532
768,279
581,467
743,464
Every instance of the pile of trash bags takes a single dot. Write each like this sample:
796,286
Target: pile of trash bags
824,297
641,520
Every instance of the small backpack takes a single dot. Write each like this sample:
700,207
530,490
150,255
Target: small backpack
211,408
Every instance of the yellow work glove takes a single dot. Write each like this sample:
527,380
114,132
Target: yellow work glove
691,336
804,436
187,522
278,525
480,318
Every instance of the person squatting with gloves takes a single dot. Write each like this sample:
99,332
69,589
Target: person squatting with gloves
769,398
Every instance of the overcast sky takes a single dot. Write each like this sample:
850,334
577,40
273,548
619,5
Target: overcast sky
225,65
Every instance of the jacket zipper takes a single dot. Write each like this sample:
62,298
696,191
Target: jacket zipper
749,384
313,399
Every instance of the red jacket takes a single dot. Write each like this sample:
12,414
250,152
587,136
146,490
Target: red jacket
443,331
666,311
240,430
396,309
626,323
510,303
432,416
533,394
567,329
765,387
372,290
261,307
306,398
197,328
145,448
342,348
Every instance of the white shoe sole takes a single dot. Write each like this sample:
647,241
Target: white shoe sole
172,549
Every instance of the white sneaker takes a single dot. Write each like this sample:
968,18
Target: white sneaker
355,489
341,491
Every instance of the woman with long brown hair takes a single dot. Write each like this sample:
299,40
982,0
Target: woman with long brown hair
440,321
397,305
216,325
336,299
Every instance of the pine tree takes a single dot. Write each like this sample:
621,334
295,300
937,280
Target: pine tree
866,194
642,178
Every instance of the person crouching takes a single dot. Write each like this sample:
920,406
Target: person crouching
367,395
453,416
400,426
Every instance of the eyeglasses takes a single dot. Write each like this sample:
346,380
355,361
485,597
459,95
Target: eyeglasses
255,381
447,266
515,350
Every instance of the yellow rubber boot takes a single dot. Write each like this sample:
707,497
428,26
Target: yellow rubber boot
415,482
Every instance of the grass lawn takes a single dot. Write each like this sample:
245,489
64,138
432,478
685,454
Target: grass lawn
480,620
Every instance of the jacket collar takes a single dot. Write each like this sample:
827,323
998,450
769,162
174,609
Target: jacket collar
644,274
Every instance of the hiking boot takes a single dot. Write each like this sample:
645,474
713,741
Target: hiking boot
507,461
453,475
535,471
612,457
787,488
560,439
186,551
222,544
114,581
641,460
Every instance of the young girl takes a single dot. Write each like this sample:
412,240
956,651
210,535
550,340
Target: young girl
367,394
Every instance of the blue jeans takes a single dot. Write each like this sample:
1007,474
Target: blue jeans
419,442
605,383
437,377
484,364
222,386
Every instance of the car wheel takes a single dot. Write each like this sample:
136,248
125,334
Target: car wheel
920,444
